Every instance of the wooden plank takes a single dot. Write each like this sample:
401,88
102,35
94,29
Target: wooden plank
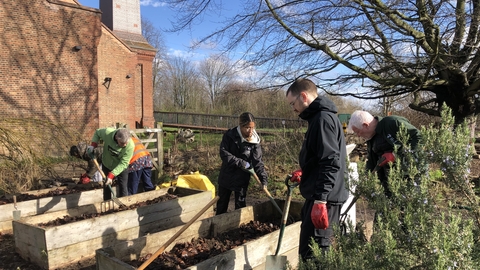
148,130
47,205
148,141
63,256
251,255
60,236
159,160
109,262
202,228
30,244
97,207
63,245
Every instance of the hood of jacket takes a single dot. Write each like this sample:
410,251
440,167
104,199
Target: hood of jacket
318,104
254,139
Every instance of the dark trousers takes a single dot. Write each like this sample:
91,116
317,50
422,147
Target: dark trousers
122,182
224,199
134,178
307,230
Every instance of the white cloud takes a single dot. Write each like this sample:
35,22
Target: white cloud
153,3
185,54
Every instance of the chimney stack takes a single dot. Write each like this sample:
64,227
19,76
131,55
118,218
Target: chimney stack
122,15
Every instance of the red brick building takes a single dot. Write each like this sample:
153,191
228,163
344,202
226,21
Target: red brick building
59,62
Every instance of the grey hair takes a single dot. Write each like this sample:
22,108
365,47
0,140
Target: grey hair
122,135
358,118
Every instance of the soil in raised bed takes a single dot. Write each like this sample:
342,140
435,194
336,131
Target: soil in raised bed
186,254
68,219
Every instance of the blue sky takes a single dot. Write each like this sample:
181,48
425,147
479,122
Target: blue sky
177,44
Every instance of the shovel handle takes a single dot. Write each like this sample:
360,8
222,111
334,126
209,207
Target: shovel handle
286,210
98,168
268,194
260,183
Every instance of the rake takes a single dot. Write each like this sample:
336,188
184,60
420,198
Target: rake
114,198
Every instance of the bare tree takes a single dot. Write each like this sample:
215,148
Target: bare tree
181,84
155,38
363,48
217,72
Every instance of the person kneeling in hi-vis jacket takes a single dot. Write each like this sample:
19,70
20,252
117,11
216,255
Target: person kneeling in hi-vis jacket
140,168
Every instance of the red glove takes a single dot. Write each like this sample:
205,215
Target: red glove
84,179
296,176
387,158
109,179
319,215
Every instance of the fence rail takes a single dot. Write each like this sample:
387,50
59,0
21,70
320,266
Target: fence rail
222,122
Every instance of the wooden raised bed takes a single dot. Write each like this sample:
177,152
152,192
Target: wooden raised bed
251,255
58,246
47,204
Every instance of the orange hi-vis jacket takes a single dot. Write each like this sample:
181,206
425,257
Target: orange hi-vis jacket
139,150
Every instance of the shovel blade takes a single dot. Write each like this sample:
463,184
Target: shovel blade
17,214
276,263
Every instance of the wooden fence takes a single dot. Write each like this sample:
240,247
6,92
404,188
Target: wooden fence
152,138
223,122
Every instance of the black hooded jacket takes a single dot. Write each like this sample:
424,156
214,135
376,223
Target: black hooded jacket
234,154
323,156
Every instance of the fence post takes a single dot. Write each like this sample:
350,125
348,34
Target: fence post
160,148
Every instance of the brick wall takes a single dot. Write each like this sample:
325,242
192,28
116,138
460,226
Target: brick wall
115,61
42,75
145,114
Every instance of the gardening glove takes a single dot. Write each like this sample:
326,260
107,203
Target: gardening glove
386,158
296,176
84,179
319,215
249,169
109,180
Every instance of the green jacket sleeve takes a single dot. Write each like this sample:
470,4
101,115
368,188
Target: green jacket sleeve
125,156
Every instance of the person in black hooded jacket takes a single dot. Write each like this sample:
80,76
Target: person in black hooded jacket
241,156
323,163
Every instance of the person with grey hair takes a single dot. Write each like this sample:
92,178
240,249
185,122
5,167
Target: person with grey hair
117,152
323,163
241,156
381,136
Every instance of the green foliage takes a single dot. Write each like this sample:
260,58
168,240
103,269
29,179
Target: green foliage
415,228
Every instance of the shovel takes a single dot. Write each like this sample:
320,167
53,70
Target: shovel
114,198
268,194
275,262
16,213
